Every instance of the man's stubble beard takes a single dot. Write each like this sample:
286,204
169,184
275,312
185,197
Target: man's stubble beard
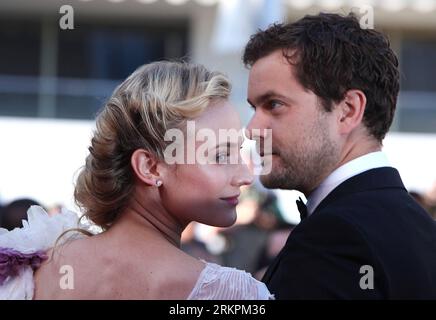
303,166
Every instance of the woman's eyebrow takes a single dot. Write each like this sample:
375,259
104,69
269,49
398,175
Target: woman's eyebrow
229,144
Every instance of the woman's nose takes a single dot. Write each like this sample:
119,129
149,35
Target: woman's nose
244,176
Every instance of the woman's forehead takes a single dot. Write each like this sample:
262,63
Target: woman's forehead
221,114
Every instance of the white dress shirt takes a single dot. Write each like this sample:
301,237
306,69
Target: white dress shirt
352,168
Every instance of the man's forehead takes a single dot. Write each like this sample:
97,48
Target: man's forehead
272,78
276,58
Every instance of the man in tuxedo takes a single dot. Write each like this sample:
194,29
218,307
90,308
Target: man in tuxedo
327,89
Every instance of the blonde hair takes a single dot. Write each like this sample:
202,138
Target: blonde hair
156,97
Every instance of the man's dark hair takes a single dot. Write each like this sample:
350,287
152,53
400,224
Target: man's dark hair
333,54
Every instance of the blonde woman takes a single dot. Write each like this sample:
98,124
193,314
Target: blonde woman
140,200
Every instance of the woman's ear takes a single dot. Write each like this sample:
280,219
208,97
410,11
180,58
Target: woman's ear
351,110
145,166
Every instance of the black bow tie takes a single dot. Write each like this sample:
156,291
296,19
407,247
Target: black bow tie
302,208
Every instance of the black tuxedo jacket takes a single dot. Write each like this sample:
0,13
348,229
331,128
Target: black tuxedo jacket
368,239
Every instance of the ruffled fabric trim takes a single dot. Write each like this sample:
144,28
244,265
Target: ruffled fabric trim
22,250
39,232
20,287
11,261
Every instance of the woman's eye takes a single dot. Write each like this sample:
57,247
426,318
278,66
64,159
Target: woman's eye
221,158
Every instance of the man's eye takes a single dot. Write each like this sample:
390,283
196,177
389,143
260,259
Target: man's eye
273,104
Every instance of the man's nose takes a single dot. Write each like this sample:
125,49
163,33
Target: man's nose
255,126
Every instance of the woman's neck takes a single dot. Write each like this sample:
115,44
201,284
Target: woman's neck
139,221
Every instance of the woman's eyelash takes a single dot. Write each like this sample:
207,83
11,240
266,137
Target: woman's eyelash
225,154
221,156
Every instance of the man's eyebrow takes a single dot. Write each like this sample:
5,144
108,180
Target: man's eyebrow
267,96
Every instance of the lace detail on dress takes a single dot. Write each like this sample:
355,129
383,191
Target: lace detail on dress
223,283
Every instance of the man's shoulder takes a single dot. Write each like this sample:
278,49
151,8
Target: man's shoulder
357,211
371,186
376,217
364,209
368,206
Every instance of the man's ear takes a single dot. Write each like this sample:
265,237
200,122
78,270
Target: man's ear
144,164
351,110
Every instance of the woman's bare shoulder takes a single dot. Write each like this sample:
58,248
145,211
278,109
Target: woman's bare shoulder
65,274
83,270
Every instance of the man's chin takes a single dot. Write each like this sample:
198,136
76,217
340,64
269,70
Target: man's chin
269,181
277,181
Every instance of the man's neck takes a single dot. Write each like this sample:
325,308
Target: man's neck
354,160
350,151
355,151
